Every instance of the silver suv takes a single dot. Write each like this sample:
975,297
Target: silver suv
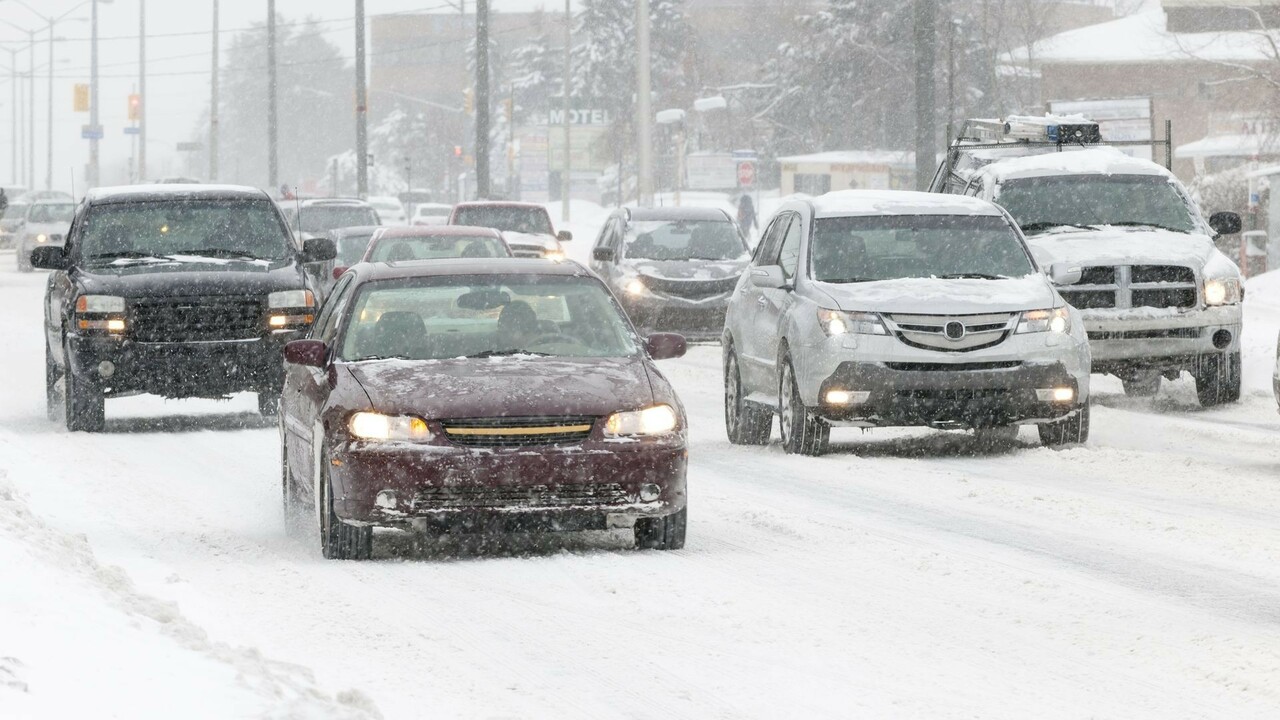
875,308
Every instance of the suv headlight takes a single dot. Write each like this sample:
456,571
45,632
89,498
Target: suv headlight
836,322
1057,320
1222,291
290,309
100,312
291,299
654,420
376,426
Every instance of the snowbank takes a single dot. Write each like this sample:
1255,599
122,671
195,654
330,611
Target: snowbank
1261,328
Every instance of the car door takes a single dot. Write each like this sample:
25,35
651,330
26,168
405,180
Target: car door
775,302
747,304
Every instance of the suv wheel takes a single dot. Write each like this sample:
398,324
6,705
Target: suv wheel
83,404
802,433
338,540
1141,383
1218,379
745,423
1068,431
662,533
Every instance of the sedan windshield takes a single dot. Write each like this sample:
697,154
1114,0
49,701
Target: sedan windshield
1043,203
435,318
505,218
161,228
685,240
323,218
866,248
352,247
52,213
399,249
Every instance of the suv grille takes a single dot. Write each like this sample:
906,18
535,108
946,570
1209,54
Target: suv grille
197,319
690,289
474,497
1130,286
518,432
931,331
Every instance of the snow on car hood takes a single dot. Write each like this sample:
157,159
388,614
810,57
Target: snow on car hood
952,297
1118,246
539,240
691,269
505,386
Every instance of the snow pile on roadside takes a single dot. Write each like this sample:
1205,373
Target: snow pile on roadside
1261,328
80,640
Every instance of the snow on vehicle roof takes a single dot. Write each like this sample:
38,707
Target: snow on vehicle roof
143,193
898,202
1093,161
468,266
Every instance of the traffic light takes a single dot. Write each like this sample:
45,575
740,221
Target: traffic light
457,151
468,101
135,107
81,102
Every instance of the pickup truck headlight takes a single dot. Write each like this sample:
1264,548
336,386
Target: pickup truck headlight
291,309
836,322
100,312
654,420
376,426
1222,291
1055,321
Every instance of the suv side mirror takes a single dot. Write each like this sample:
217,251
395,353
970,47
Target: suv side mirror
318,249
564,236
311,353
666,346
1225,223
768,277
603,254
1065,273
50,257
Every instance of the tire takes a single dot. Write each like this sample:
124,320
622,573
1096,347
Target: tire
1141,384
802,433
52,402
84,405
269,403
338,540
1218,379
1073,430
662,533
745,423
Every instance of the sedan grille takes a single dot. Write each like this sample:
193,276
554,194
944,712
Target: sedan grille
689,289
475,497
952,333
518,432
197,319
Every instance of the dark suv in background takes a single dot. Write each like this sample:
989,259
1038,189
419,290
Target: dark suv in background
180,291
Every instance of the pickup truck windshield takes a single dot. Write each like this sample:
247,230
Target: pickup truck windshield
1043,203
162,228
867,248
532,221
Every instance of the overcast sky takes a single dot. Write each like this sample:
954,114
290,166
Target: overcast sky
178,54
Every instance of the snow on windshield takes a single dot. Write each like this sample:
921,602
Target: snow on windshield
214,228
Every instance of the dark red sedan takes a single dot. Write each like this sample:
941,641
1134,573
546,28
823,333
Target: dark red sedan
480,396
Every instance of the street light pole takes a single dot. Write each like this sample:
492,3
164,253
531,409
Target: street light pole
644,110
142,90
565,184
273,169
48,163
362,106
13,116
31,105
213,102
91,179
482,99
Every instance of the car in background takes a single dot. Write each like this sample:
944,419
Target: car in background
175,290
316,217
435,243
879,308
389,210
526,227
177,180
431,214
45,224
37,195
672,268
350,244
480,396
11,222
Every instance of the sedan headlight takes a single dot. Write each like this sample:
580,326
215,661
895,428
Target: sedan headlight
1057,320
836,322
654,420
42,238
636,286
376,426
1222,291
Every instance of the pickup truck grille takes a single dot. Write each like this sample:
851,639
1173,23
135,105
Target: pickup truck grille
1132,286
200,319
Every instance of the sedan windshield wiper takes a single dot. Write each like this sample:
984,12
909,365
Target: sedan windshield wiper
506,353
1038,226
971,276
848,280
217,253
381,357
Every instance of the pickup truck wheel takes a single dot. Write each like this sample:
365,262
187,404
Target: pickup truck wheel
802,433
662,533
338,540
745,423
51,374
84,404
1141,384
1068,431
1218,379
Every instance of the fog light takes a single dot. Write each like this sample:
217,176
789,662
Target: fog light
115,325
1058,395
847,397
278,321
106,369
386,500
650,492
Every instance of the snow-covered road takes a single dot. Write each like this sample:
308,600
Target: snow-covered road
908,574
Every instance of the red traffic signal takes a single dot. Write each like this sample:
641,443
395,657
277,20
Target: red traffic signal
457,151
135,107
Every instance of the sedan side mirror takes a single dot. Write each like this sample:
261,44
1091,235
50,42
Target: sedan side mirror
311,353
1225,223
603,254
768,277
1065,273
337,272
666,346
50,257
564,236
318,249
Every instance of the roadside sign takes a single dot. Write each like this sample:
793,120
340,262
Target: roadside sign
132,130
190,146
91,132
746,173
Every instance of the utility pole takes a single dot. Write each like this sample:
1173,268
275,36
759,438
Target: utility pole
566,179
91,179
926,13
142,90
48,164
31,105
362,109
482,99
13,117
273,168
213,102
644,110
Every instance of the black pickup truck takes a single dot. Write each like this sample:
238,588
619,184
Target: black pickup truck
175,290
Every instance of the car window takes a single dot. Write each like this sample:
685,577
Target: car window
326,323
441,317
685,240
767,249
351,248
505,218
1041,203
400,249
789,254
322,218
163,228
